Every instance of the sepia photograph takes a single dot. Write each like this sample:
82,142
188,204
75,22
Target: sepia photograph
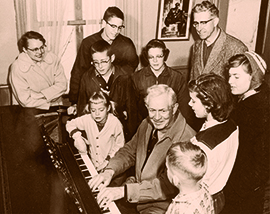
173,19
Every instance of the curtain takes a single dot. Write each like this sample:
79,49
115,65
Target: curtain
133,20
45,17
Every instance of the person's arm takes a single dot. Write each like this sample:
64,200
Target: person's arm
132,59
22,92
159,188
59,85
81,64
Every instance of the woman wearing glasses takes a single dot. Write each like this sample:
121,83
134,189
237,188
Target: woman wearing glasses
36,76
156,71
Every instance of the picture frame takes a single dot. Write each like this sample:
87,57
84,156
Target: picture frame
174,20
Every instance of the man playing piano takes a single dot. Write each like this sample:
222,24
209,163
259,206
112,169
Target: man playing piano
150,188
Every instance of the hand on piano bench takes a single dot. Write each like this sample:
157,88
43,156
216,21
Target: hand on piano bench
108,195
101,180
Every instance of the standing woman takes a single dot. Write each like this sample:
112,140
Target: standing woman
245,190
156,71
218,138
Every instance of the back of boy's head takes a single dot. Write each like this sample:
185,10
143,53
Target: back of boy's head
187,158
113,12
96,98
101,46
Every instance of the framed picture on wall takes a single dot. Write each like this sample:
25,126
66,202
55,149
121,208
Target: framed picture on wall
174,19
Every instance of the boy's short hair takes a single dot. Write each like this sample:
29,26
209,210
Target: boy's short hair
113,12
206,6
214,93
188,158
101,46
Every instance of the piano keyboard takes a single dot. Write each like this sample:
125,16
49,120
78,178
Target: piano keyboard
88,170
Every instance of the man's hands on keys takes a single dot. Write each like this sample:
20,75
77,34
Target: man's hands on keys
100,181
108,195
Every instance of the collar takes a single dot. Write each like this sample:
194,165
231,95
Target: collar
248,94
149,72
25,62
215,38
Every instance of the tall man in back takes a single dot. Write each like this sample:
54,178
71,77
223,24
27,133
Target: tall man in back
122,47
211,52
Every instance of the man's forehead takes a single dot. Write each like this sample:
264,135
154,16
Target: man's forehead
202,16
159,102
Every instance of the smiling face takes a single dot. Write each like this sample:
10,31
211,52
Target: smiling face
197,106
99,111
113,28
102,62
207,25
156,59
160,112
35,50
239,80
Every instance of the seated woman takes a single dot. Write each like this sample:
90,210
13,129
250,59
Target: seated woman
36,76
245,190
157,72
104,131
218,138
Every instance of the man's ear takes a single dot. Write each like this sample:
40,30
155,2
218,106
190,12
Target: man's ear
24,50
175,180
216,21
175,107
112,57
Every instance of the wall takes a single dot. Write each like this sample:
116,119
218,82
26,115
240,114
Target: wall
246,26
8,38
179,50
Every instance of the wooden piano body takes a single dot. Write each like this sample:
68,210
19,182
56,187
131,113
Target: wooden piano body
29,180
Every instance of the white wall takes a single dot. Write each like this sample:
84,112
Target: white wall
8,40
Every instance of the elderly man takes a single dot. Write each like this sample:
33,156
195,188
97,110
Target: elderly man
150,189
211,52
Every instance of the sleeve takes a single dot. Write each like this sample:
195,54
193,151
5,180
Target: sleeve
82,64
125,157
59,85
151,190
131,108
76,124
22,92
132,59
82,97
119,140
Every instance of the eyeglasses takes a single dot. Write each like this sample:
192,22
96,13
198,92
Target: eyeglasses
202,23
41,48
158,57
102,62
115,26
